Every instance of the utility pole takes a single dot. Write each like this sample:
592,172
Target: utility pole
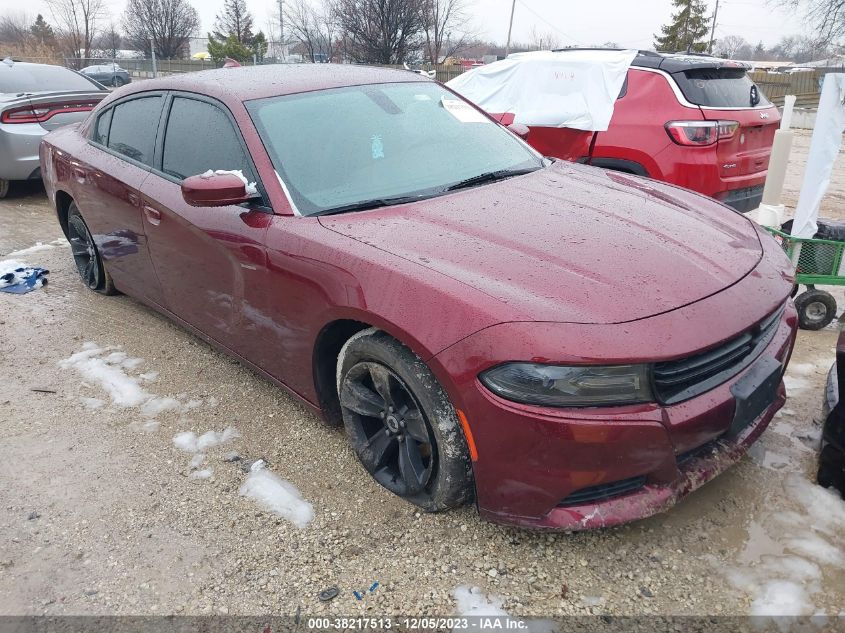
282,27
153,55
713,28
510,29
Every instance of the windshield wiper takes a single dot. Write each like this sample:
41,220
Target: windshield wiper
364,205
491,176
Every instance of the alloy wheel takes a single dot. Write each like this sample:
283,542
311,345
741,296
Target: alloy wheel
388,429
84,251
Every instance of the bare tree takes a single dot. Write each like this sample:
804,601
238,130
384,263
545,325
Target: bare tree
543,41
380,31
730,45
109,41
169,23
77,21
827,17
314,27
14,29
444,24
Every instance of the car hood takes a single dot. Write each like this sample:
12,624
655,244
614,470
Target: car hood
570,243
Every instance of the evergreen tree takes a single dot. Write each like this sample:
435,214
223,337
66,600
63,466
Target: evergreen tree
42,31
688,30
235,20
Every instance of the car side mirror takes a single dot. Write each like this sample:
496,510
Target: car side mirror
520,130
216,190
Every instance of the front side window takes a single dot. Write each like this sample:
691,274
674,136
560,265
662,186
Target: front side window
200,137
339,148
133,128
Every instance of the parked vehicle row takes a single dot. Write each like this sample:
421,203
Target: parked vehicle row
570,347
690,120
109,74
35,99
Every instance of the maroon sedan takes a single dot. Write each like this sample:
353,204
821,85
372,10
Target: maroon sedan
569,347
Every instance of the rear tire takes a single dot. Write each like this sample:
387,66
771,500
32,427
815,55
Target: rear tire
816,309
401,424
86,256
4,188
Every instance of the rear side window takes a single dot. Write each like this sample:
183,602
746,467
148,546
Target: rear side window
133,128
200,137
101,130
720,88
21,77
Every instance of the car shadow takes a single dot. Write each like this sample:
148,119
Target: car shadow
19,189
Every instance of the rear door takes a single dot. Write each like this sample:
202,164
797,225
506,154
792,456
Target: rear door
110,174
208,259
728,94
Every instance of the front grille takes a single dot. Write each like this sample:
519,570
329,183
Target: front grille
604,491
679,380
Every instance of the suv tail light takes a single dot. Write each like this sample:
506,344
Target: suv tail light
700,133
41,112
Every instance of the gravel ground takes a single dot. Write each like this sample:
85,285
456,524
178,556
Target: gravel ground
99,513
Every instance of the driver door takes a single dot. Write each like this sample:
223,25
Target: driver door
208,259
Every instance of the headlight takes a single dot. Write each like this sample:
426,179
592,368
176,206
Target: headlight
581,386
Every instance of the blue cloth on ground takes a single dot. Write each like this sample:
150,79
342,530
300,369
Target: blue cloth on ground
23,279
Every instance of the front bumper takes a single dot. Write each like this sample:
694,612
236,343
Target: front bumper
532,460
744,199
19,150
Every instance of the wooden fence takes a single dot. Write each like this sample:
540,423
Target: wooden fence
805,85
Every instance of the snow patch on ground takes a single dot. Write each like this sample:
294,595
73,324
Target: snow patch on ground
189,442
276,495
473,602
794,384
206,473
39,247
786,548
109,368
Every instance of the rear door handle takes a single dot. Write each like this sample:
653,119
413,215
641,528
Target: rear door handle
153,215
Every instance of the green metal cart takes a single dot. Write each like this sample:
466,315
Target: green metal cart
817,262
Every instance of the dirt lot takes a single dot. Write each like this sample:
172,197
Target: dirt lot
100,513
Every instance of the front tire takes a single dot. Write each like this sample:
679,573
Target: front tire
401,424
86,256
117,82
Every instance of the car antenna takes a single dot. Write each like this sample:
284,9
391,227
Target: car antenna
9,62
231,63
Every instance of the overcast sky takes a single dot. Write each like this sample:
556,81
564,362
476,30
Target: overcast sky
630,23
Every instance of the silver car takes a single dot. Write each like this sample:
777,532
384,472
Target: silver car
35,99
109,74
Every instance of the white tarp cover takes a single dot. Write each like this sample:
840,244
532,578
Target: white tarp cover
574,89
824,148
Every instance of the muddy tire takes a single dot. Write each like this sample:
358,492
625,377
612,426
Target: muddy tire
401,424
86,256
4,188
816,309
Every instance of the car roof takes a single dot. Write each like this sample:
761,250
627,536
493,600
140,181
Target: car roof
256,82
671,62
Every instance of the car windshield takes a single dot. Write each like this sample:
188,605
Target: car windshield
42,78
365,146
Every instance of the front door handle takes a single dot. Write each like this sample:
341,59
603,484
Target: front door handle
153,215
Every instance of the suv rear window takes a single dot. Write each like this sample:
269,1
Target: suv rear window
719,88
42,77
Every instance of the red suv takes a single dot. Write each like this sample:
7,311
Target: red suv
690,120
